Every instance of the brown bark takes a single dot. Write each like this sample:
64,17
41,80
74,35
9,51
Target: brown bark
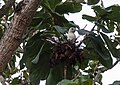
12,37
6,7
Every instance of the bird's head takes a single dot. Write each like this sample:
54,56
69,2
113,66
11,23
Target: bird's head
72,29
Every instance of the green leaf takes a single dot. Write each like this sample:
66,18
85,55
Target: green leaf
102,51
25,75
15,81
93,64
40,71
110,45
85,80
90,53
68,7
39,18
55,75
100,11
59,20
68,82
114,13
104,29
116,83
61,30
36,59
111,26
89,18
92,2
79,1
31,50
38,65
51,4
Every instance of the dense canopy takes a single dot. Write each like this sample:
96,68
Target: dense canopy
35,31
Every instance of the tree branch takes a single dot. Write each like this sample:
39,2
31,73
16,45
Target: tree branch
6,7
13,36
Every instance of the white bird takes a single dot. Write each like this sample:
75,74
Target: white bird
71,36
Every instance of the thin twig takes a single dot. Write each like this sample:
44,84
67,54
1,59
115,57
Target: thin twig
85,26
93,27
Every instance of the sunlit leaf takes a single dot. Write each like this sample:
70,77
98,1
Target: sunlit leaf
25,74
15,81
68,82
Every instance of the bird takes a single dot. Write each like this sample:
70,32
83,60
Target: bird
71,36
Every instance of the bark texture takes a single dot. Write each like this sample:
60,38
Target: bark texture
12,37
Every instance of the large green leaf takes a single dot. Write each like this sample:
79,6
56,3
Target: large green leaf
114,13
61,30
68,82
103,28
57,74
100,11
102,51
51,4
109,13
89,18
85,80
15,81
116,83
110,25
69,7
92,2
111,46
40,18
31,50
36,58
40,71
59,20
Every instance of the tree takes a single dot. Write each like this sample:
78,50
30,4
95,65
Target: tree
36,31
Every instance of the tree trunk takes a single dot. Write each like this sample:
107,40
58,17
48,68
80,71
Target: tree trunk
13,36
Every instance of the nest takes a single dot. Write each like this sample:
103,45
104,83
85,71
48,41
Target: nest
67,53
